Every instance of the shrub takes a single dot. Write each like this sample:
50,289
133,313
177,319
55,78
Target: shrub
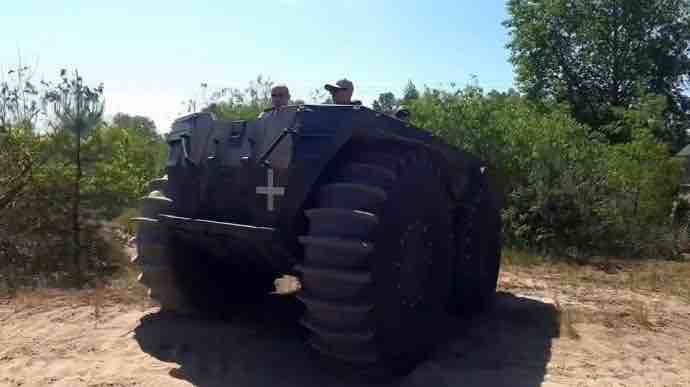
567,188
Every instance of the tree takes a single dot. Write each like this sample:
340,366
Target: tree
410,92
141,124
120,162
22,157
502,97
229,103
564,187
599,54
321,96
55,190
78,110
19,100
19,108
386,103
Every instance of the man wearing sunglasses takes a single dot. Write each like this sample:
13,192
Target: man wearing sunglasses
280,97
341,91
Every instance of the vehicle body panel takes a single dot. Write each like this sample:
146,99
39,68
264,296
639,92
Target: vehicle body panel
215,170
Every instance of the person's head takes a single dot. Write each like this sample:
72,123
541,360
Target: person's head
341,91
280,96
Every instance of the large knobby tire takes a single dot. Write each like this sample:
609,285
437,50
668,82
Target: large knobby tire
377,265
153,258
477,223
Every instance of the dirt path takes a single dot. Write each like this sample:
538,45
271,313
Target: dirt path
544,332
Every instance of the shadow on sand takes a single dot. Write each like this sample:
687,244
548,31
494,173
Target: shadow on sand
509,346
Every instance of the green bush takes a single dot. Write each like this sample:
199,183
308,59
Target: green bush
123,162
567,188
35,222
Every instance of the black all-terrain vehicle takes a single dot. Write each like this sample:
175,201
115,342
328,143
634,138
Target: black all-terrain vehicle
388,229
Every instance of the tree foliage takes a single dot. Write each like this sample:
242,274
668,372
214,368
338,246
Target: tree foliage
229,103
386,103
602,55
122,161
38,176
19,100
144,125
410,92
19,109
567,188
78,110
17,160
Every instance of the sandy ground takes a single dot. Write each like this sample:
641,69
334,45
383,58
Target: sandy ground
543,332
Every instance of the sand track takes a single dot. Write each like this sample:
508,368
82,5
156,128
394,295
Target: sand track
602,339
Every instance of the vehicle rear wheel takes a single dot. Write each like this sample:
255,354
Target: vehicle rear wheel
477,224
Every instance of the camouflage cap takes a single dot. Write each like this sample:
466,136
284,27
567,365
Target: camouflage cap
341,84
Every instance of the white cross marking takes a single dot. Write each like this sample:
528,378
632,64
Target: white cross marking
270,190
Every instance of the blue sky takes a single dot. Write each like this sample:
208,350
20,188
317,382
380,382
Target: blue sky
152,55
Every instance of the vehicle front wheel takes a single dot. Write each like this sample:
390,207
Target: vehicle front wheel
376,276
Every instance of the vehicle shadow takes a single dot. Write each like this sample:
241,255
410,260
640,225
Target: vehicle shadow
507,346
510,345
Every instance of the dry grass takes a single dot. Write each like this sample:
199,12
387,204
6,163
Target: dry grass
618,294
657,276
97,299
27,299
672,278
121,290
566,320
125,222
118,292
640,314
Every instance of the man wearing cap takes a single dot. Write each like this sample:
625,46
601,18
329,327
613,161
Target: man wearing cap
269,126
341,92
280,97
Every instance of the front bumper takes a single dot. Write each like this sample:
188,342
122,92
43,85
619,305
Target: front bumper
215,228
